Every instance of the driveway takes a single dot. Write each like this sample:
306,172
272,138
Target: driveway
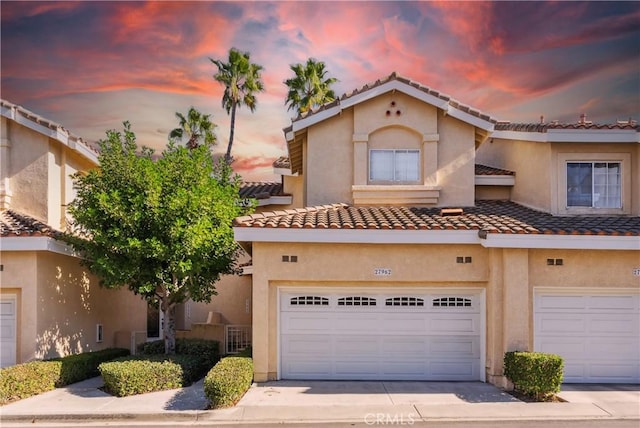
371,393
622,400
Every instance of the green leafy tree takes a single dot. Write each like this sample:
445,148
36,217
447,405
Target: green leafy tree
242,80
195,127
160,226
309,87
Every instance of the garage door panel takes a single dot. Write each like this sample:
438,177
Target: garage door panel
8,332
456,347
617,303
409,346
598,335
356,345
386,342
452,369
300,322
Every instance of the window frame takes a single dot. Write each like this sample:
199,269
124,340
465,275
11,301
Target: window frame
395,153
593,185
561,197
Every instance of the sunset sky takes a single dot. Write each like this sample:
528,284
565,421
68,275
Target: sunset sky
91,65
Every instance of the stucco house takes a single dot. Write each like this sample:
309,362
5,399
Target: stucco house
49,304
425,238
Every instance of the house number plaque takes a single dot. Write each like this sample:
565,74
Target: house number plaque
382,272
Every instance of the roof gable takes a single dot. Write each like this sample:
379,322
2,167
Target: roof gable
48,128
393,82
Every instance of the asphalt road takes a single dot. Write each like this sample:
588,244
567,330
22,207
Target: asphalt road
591,423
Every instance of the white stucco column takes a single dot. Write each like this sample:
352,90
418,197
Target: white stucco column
5,165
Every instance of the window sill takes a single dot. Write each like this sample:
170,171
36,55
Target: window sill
395,194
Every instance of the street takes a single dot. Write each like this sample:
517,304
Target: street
409,422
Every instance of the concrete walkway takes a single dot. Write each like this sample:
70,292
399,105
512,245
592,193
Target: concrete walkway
323,401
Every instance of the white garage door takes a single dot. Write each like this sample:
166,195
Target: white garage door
380,335
598,335
7,331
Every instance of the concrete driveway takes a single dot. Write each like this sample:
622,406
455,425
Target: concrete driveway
622,400
371,393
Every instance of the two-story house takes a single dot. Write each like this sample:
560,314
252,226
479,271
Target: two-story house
425,239
50,305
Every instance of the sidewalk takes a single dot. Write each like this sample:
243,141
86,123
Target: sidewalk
290,401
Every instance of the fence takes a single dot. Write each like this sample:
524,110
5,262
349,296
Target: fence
237,338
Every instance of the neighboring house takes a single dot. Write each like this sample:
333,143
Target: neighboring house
425,239
49,304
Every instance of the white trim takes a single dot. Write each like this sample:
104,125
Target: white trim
356,236
275,200
569,242
483,335
284,171
492,240
392,85
36,243
247,270
573,136
585,290
49,129
495,180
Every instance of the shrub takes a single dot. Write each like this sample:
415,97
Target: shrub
142,374
228,381
28,379
535,374
78,367
208,350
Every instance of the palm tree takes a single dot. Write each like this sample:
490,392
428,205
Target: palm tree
195,127
242,81
309,88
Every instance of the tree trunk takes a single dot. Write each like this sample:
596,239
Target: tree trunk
227,157
168,325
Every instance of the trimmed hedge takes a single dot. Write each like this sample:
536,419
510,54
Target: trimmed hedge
535,374
228,381
78,367
33,378
208,350
142,374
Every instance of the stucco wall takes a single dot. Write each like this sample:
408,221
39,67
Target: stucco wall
532,163
59,305
28,169
70,303
456,162
329,160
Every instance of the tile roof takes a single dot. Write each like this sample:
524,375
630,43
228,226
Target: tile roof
502,217
282,162
543,127
394,76
489,170
12,111
260,189
13,223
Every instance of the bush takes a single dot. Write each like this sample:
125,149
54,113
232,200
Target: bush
142,374
535,374
78,367
28,379
228,381
208,350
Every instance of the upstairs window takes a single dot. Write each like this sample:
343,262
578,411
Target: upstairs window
394,166
594,184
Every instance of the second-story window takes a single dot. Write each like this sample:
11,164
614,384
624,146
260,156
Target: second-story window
394,166
594,184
